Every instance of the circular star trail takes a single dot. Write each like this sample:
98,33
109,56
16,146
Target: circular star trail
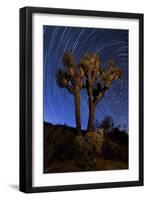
59,105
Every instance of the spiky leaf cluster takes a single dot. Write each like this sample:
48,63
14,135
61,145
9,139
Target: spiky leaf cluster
110,74
72,76
91,64
68,60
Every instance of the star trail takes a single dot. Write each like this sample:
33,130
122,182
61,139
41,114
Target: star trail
109,44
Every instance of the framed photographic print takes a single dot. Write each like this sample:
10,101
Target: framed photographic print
81,99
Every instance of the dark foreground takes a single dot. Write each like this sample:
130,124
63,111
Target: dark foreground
66,152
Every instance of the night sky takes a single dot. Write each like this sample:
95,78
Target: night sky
109,44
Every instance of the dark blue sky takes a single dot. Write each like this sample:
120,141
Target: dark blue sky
108,43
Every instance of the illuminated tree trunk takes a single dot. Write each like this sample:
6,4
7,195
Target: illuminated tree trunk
91,119
77,111
91,109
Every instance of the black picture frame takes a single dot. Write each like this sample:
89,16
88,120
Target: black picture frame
26,14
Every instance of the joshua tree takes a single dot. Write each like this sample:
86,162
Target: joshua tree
107,124
97,81
72,78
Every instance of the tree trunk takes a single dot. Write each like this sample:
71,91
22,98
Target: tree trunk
91,118
77,111
91,109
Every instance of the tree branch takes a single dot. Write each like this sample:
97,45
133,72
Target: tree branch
100,95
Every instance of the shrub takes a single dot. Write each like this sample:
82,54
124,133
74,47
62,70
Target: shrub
59,144
88,148
65,147
85,156
113,150
95,139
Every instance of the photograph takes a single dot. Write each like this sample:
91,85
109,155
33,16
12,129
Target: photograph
85,99
81,99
